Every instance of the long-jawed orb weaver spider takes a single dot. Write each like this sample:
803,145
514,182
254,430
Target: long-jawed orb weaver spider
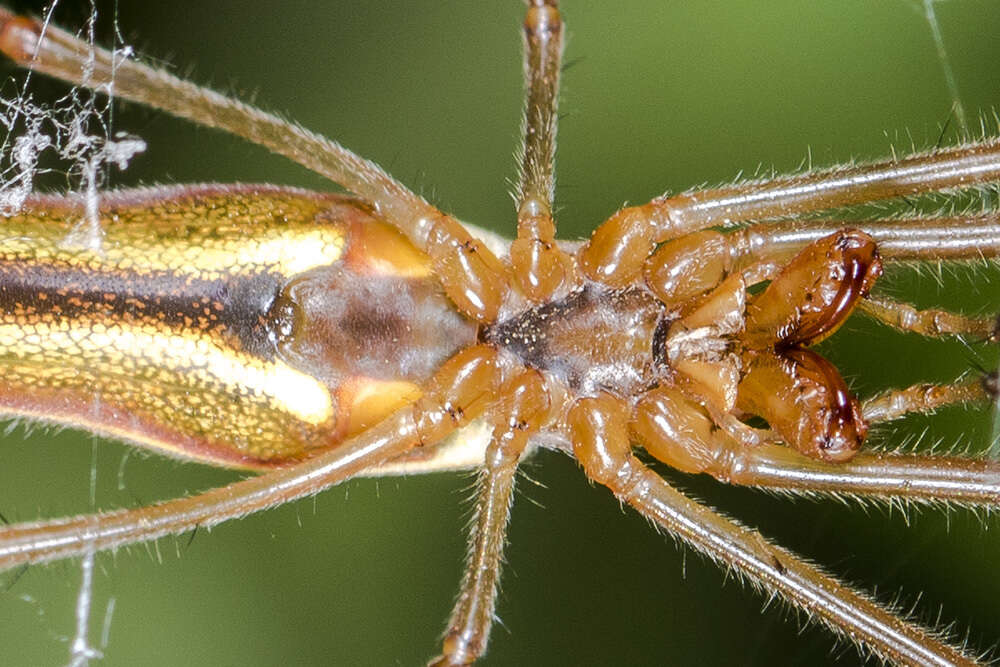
563,624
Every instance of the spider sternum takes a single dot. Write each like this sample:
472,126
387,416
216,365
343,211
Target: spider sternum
593,339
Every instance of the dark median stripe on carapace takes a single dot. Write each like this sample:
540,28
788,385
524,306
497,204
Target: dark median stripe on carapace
236,307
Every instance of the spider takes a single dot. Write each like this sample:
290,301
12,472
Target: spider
651,577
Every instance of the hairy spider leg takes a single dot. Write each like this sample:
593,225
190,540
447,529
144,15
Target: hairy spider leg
617,250
540,269
601,443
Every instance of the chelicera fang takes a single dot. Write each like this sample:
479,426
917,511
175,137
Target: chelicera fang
842,241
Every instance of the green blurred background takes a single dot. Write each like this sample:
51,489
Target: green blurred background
659,96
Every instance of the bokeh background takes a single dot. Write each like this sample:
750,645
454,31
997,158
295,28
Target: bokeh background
657,96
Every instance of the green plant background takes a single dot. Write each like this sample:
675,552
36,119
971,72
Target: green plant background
659,96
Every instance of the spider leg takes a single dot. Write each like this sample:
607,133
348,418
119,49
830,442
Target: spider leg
961,238
463,388
617,249
930,322
540,267
922,398
908,477
599,432
470,274
522,408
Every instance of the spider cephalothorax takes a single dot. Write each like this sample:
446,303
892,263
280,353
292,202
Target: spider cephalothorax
710,350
